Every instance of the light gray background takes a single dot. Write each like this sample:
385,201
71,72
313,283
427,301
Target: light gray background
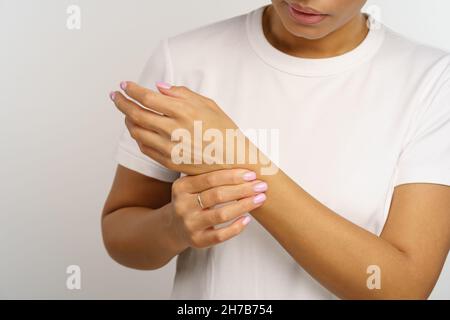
59,130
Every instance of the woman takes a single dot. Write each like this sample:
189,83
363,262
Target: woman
359,206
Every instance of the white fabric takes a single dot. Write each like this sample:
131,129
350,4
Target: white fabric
352,128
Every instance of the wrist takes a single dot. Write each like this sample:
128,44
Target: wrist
257,161
240,153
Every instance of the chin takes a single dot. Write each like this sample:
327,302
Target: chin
308,32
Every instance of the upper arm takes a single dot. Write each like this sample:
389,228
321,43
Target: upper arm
132,189
419,225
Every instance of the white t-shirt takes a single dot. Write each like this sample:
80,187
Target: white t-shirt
351,127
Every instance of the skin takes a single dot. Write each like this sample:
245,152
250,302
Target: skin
147,222
343,29
410,251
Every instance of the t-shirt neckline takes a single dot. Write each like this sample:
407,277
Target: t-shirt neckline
310,67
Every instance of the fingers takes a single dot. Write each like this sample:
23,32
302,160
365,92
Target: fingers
180,92
226,186
155,155
212,217
143,118
215,236
223,194
199,183
150,138
151,99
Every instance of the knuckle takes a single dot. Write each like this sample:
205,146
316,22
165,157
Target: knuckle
137,134
211,218
235,230
210,179
128,122
134,115
219,237
149,152
167,150
245,205
218,195
147,99
195,241
134,133
178,186
236,178
167,129
142,147
167,162
220,215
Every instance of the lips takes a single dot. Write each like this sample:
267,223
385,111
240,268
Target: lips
306,10
305,15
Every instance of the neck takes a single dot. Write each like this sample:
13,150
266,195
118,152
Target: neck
336,43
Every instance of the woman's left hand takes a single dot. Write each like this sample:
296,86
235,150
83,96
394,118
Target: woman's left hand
180,114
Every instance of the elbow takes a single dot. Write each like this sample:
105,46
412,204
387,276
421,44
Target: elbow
416,284
121,251
118,252
407,284
408,288
414,281
414,294
112,244
408,292
403,292
416,289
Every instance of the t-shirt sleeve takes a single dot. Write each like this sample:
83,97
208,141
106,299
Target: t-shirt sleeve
157,68
426,157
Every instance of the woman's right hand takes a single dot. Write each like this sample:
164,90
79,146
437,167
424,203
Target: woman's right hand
194,226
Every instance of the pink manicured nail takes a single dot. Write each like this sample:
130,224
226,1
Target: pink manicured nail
246,220
249,176
123,85
112,95
260,187
163,85
259,198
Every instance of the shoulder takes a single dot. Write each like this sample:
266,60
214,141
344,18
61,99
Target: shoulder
415,54
209,35
208,45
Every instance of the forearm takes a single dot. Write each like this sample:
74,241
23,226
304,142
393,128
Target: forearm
141,238
333,250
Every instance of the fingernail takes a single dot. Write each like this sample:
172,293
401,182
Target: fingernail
259,198
163,85
123,85
246,220
249,176
260,187
112,95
